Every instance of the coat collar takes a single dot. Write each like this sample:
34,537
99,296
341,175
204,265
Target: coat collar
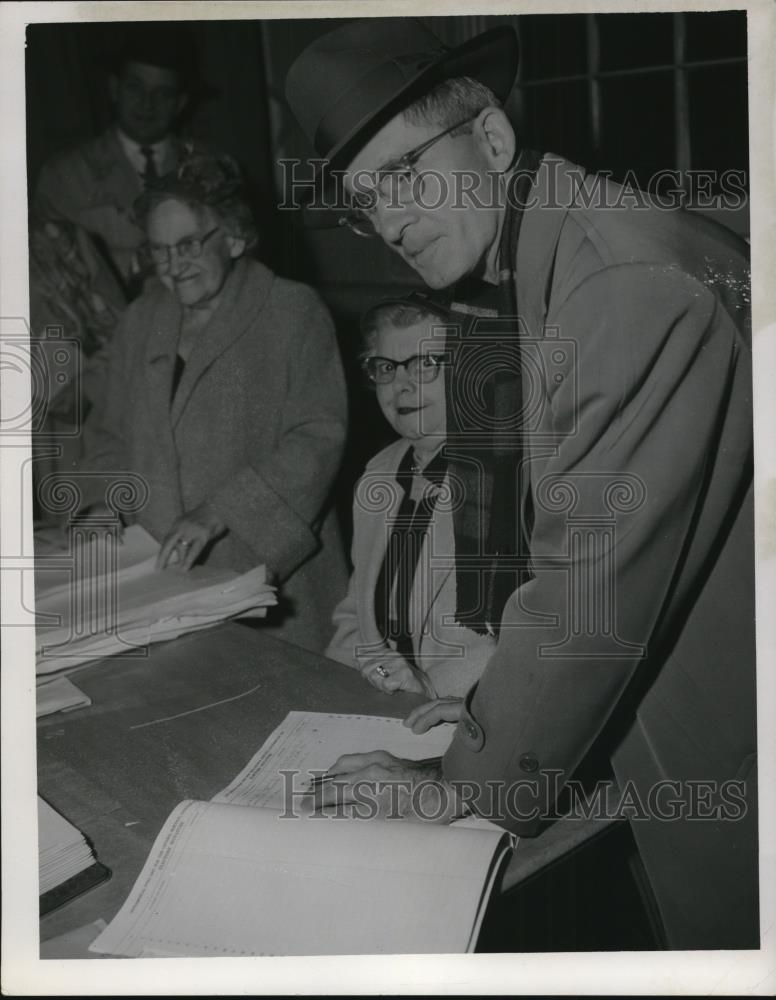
379,496
164,153
112,173
556,185
552,197
111,170
244,296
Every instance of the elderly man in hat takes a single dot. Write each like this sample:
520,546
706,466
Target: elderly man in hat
601,405
96,183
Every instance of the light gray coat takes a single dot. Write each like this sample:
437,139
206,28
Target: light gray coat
451,657
256,429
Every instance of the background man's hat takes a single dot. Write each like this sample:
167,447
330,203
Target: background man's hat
347,84
166,44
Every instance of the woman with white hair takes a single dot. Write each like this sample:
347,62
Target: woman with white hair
226,394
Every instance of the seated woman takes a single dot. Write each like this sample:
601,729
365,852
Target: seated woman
396,623
225,392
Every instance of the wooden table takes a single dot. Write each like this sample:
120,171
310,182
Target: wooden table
180,723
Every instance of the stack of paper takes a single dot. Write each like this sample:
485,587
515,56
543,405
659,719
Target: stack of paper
58,695
62,850
55,556
101,613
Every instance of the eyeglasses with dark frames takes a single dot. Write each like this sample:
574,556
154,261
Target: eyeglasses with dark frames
393,180
189,248
419,367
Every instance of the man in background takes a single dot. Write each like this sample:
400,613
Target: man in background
95,184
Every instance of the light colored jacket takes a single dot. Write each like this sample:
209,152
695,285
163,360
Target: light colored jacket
451,657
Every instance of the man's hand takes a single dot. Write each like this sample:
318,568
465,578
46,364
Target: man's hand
389,672
379,784
188,537
422,718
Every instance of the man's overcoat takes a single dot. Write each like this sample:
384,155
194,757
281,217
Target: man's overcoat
637,629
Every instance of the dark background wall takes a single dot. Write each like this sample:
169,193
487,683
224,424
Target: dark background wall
634,93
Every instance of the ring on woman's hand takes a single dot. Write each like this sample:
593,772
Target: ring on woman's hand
185,542
381,671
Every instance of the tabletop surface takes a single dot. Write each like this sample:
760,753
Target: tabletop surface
181,721
178,723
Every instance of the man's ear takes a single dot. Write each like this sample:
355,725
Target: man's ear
236,246
494,132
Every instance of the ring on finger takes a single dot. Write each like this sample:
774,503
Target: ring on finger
185,542
380,669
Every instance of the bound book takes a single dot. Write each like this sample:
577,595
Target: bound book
255,872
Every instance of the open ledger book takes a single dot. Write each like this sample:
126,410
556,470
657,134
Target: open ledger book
235,876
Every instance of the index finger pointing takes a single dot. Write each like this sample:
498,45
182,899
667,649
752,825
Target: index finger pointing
350,762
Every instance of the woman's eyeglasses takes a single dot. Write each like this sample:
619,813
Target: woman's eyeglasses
419,368
188,248
394,181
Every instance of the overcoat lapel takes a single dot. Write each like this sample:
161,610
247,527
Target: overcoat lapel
113,169
242,299
542,222
439,547
373,541
163,316
114,174
537,247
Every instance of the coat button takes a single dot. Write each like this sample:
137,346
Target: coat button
529,762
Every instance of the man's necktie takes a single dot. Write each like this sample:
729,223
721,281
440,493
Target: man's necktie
150,174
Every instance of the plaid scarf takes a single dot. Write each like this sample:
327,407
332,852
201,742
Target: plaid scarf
485,437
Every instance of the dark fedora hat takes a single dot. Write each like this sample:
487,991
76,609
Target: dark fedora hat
165,44
348,83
